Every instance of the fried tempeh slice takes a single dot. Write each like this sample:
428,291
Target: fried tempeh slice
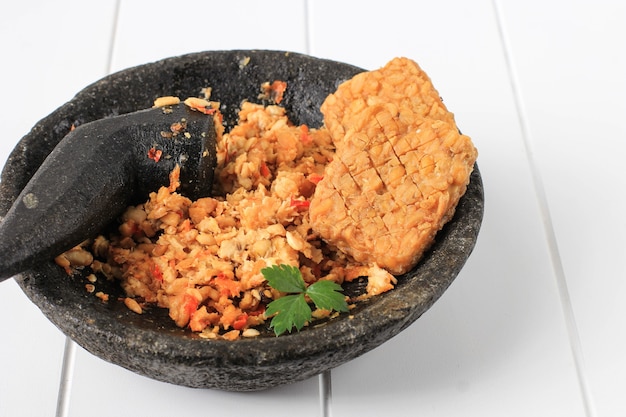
401,83
400,167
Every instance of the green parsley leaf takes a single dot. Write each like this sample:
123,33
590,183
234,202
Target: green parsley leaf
326,295
284,278
291,311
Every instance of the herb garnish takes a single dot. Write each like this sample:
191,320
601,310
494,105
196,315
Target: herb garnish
292,310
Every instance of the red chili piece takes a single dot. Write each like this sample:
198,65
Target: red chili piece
155,154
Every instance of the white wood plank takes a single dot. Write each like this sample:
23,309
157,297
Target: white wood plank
496,343
152,30
50,51
32,350
571,60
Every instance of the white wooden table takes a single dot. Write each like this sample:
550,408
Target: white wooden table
535,324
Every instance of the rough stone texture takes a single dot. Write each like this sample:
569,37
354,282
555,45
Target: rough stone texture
150,344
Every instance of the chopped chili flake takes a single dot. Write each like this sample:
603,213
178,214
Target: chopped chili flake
191,304
206,110
265,171
277,90
155,154
259,311
315,178
304,134
227,286
240,322
299,203
156,272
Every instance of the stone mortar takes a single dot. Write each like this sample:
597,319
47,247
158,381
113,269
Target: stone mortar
150,344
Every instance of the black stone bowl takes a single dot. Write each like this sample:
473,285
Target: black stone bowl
150,344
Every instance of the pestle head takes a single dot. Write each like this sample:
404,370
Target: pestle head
96,171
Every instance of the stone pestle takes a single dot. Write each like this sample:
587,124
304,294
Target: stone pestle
96,171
